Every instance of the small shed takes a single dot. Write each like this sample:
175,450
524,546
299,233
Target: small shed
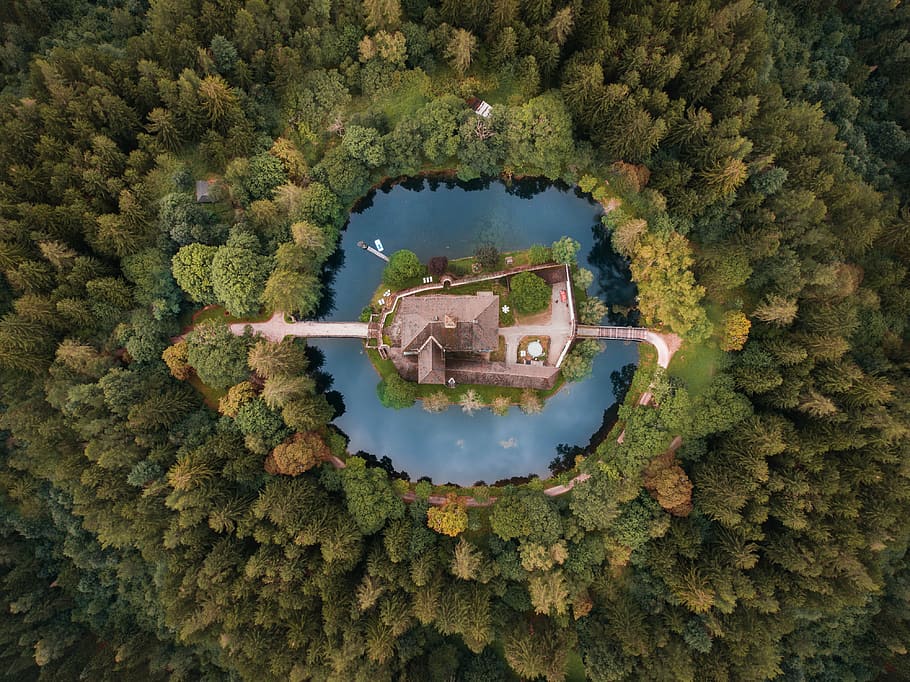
483,109
203,192
480,107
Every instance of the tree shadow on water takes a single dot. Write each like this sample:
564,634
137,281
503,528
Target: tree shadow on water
330,270
612,279
323,379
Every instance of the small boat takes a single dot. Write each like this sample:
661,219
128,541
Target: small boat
379,246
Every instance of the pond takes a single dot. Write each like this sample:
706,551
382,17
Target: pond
450,219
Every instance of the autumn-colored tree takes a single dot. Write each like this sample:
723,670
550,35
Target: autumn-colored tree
279,389
436,402
669,484
449,519
291,158
270,359
236,395
175,357
297,455
735,330
466,560
561,25
382,13
549,593
627,233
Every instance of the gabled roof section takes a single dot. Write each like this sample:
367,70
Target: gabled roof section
456,323
431,364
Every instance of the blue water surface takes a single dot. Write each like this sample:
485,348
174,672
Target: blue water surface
451,219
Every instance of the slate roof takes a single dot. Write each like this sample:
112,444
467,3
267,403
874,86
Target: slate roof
456,323
431,364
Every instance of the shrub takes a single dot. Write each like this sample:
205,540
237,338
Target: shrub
436,402
396,393
470,402
438,265
500,406
403,265
539,254
487,255
530,402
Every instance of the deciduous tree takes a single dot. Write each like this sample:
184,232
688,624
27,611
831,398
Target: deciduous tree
529,293
403,266
449,519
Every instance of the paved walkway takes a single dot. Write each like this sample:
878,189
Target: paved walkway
275,329
559,329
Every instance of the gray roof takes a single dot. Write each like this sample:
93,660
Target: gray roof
456,323
203,191
431,364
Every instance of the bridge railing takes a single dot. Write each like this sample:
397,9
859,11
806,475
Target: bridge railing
626,333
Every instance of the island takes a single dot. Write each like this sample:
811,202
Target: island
435,334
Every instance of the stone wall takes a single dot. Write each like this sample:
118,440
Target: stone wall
552,275
484,373
515,378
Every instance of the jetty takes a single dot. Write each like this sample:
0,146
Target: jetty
369,249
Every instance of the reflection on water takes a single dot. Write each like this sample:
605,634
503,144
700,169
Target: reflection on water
449,219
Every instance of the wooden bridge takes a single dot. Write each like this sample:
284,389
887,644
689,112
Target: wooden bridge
276,329
625,333
666,344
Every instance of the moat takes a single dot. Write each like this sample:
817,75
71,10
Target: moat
451,219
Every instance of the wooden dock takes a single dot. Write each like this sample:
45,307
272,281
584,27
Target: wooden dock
370,249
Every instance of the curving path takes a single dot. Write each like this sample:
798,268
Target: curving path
666,344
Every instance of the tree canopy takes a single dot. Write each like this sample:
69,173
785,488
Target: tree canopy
748,522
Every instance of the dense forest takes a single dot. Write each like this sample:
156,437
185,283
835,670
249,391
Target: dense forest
753,157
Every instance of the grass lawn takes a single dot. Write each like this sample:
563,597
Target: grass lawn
696,364
463,289
463,267
575,668
210,395
408,95
219,314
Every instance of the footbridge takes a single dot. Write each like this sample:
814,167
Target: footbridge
666,344
275,329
